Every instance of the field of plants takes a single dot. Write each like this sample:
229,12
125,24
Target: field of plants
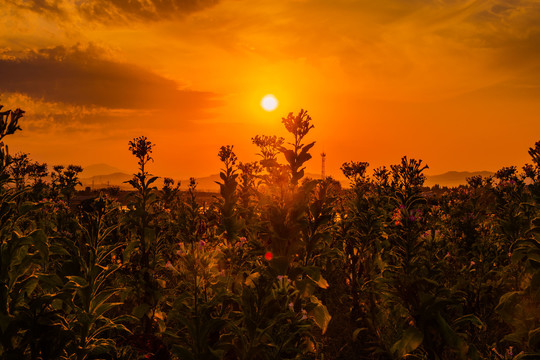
277,266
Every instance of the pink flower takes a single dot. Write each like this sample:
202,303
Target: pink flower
241,242
169,265
284,277
268,256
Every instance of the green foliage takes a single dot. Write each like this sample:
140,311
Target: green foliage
89,283
521,308
272,319
275,267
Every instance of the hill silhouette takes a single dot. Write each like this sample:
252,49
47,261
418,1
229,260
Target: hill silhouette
99,170
104,175
454,178
103,181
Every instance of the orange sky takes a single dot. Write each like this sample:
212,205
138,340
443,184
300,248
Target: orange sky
455,83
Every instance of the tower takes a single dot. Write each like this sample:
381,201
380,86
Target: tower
323,167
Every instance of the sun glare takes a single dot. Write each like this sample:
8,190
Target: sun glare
269,102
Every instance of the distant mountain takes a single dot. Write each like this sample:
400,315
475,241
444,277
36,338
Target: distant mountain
454,178
208,183
99,170
103,181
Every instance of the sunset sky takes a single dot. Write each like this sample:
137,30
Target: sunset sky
453,82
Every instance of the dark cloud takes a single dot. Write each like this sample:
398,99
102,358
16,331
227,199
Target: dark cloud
81,76
116,11
505,21
140,10
47,7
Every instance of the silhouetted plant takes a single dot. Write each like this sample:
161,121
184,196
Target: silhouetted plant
363,237
37,172
355,172
521,308
198,315
192,220
170,194
408,175
320,223
272,321
20,169
65,180
9,124
143,249
269,149
30,327
406,271
299,127
142,183
92,293
248,193
229,223
275,179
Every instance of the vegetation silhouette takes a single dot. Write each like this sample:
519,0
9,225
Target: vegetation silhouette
275,266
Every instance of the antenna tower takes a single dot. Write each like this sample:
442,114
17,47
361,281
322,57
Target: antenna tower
323,167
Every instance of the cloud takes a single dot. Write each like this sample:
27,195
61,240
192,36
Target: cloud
84,77
47,7
420,48
45,117
151,10
116,11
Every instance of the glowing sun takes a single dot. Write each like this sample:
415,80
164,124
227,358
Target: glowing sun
269,102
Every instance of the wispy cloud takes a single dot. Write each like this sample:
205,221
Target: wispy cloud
116,11
140,10
46,7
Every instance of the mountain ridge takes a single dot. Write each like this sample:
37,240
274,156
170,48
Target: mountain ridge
454,178
100,169
208,183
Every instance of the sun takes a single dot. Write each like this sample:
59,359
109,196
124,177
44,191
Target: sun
269,102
